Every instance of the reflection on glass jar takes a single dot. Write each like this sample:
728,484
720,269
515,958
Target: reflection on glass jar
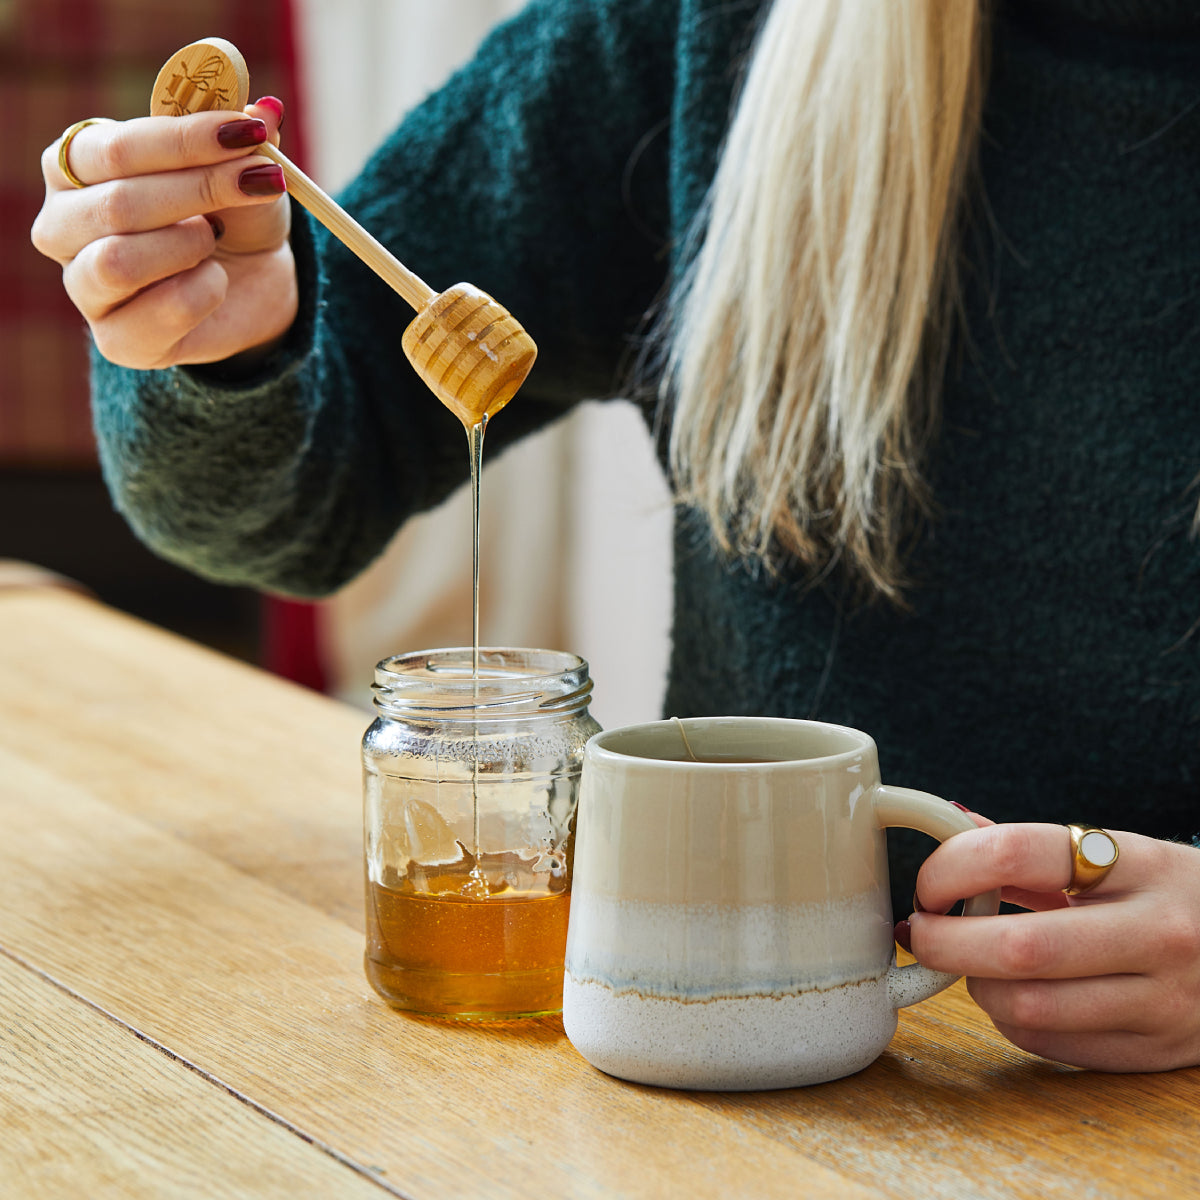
470,786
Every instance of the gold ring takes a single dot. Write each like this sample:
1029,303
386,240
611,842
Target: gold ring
1093,854
65,145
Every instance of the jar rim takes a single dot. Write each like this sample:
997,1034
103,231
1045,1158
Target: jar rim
440,684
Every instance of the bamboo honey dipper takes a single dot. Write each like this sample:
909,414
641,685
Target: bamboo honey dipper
471,351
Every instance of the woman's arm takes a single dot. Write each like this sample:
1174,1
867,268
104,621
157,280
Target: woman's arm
522,176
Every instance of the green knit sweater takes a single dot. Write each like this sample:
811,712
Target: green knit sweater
1049,667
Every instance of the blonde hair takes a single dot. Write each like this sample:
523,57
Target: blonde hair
806,342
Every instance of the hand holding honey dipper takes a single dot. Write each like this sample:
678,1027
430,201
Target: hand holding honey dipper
176,248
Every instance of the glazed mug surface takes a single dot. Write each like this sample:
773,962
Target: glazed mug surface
730,927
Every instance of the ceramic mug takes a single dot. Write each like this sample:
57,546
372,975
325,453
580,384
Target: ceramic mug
730,924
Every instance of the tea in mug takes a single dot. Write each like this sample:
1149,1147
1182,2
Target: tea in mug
724,759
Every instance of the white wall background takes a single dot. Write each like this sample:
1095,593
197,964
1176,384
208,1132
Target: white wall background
576,521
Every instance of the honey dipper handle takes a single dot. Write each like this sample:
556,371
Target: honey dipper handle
350,233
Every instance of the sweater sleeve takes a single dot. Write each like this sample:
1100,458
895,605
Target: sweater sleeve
537,173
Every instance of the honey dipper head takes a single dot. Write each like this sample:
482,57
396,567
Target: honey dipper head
471,352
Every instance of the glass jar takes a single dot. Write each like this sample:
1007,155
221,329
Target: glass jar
470,785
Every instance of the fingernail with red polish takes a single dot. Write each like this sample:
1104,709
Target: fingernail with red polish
960,807
903,935
218,226
238,135
275,105
262,181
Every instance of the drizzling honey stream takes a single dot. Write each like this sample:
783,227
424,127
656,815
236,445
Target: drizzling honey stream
476,887
469,350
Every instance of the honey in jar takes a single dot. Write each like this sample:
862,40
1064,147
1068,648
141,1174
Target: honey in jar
470,785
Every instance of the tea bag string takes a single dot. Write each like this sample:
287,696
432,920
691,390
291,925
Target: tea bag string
686,744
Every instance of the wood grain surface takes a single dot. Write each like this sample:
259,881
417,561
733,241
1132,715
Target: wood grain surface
180,931
91,1108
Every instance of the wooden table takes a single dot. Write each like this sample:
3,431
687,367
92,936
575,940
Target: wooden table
183,1009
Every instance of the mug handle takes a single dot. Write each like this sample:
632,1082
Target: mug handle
909,809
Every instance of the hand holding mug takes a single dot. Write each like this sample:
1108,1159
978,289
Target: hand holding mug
1108,979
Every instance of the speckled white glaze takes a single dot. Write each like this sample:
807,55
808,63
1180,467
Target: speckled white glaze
731,1043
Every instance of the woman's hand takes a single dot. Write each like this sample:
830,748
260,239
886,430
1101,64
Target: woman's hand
1108,980
177,249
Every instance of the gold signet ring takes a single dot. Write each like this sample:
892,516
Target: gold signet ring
64,147
1093,854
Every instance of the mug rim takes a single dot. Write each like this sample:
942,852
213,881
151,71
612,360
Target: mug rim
598,749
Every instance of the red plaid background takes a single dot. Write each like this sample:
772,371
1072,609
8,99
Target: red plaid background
60,61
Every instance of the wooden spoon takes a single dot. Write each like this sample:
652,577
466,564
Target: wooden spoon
470,350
